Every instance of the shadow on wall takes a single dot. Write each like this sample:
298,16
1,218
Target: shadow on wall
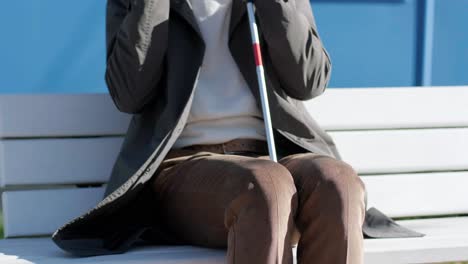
1,223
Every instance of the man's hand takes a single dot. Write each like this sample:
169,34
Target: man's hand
301,62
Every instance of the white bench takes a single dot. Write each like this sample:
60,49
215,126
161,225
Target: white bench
410,145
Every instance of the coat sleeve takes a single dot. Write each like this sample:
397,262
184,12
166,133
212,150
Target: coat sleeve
136,44
293,43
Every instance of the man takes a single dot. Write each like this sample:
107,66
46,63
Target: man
193,168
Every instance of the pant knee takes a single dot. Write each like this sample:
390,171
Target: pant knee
328,186
271,192
343,178
343,189
273,182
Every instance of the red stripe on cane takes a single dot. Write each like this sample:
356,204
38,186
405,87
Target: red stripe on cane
258,54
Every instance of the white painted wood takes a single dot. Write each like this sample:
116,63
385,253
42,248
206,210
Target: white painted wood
38,212
392,107
85,160
446,240
58,161
26,115
33,115
385,151
421,194
43,251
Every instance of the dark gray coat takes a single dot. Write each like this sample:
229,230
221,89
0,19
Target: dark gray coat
153,64
154,54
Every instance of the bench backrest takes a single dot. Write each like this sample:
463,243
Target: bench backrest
410,145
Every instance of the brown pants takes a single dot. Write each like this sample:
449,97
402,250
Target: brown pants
259,209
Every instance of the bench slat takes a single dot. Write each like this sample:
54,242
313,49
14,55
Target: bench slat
446,240
370,152
421,194
392,151
38,214
33,115
396,195
48,115
401,107
58,161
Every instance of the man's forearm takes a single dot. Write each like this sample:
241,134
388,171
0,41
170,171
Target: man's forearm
297,53
137,33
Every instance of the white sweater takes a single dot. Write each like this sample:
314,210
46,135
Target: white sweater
223,106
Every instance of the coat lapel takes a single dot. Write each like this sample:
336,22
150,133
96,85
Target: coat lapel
237,12
184,9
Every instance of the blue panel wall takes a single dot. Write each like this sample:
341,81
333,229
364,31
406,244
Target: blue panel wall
52,46
371,42
57,46
450,54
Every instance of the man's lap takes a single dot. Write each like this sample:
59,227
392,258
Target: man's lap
195,189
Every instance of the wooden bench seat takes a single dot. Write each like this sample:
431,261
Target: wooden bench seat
446,239
409,145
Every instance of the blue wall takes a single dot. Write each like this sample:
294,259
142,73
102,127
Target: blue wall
59,46
52,46
450,54
371,43
395,42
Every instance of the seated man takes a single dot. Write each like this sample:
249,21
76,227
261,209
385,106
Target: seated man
194,166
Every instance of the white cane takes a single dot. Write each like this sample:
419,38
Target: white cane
261,80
